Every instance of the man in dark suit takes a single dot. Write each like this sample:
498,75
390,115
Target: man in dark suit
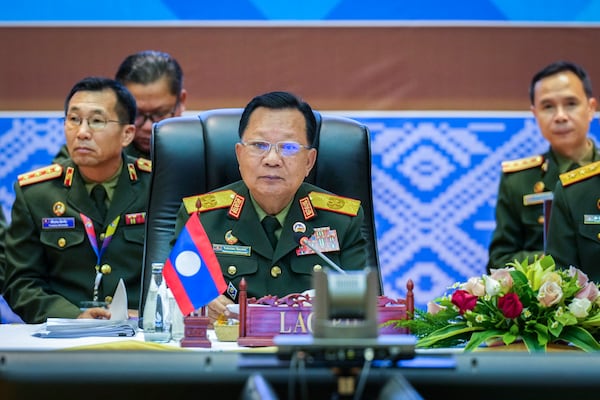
564,106
275,154
574,231
77,227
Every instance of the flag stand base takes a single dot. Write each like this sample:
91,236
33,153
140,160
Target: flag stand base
195,332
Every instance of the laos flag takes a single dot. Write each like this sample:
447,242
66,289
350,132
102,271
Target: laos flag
192,270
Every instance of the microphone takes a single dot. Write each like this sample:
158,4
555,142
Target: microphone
303,241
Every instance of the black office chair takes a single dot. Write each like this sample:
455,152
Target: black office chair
193,155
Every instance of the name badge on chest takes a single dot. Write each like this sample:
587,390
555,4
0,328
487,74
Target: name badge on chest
58,223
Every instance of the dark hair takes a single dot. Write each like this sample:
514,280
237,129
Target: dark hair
279,101
149,66
557,67
125,107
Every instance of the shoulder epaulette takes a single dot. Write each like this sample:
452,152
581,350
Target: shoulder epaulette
143,164
331,202
40,175
580,174
208,201
522,164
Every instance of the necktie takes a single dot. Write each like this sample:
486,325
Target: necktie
99,196
270,224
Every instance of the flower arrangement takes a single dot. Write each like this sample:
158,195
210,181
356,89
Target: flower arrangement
533,302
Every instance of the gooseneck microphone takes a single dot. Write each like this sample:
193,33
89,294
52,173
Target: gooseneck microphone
304,241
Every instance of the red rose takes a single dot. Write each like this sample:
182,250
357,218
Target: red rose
510,305
464,300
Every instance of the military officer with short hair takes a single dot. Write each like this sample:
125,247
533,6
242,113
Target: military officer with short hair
77,227
275,154
563,105
574,231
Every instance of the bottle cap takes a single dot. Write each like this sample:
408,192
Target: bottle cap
157,267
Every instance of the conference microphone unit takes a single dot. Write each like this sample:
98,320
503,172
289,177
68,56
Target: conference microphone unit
304,241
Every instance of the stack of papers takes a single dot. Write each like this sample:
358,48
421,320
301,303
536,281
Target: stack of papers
75,328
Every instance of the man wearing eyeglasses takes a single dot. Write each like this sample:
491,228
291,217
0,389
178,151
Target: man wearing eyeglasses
155,79
275,154
77,226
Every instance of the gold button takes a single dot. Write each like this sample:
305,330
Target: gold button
231,270
62,242
106,269
541,220
317,267
275,271
539,187
598,236
102,236
108,299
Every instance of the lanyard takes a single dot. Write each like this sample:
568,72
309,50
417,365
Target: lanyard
91,234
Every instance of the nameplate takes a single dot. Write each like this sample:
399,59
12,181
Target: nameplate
269,321
58,223
537,198
591,219
232,250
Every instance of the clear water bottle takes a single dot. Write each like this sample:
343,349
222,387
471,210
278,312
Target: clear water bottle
177,326
157,320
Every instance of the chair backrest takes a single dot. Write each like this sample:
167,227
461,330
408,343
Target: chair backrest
192,155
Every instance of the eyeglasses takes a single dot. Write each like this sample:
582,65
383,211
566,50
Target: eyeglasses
95,123
141,118
285,149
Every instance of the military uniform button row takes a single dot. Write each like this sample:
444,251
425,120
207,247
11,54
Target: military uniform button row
275,270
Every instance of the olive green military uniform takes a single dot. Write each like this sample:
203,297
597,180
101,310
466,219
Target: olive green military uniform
574,232
524,184
130,150
51,265
243,250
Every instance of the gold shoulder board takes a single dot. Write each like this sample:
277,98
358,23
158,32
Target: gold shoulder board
580,174
522,164
208,201
144,164
40,175
338,204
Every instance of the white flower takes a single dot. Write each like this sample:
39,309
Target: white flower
580,307
492,286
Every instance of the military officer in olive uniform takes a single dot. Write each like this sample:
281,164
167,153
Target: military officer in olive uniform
60,248
274,155
563,105
574,232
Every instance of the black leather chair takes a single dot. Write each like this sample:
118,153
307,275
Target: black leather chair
192,155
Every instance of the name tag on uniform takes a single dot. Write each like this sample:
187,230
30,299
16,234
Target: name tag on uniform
232,250
58,223
591,219
537,198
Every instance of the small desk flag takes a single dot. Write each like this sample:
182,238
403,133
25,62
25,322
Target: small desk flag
192,270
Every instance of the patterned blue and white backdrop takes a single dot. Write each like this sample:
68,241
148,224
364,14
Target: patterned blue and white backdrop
435,178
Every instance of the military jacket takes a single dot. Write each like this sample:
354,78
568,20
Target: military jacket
519,231
243,250
51,265
574,231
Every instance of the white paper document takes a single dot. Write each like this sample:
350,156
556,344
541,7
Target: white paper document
117,325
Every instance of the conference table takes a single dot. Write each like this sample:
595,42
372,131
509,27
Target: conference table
128,367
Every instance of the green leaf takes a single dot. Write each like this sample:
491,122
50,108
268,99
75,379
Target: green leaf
477,338
579,337
532,343
445,333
